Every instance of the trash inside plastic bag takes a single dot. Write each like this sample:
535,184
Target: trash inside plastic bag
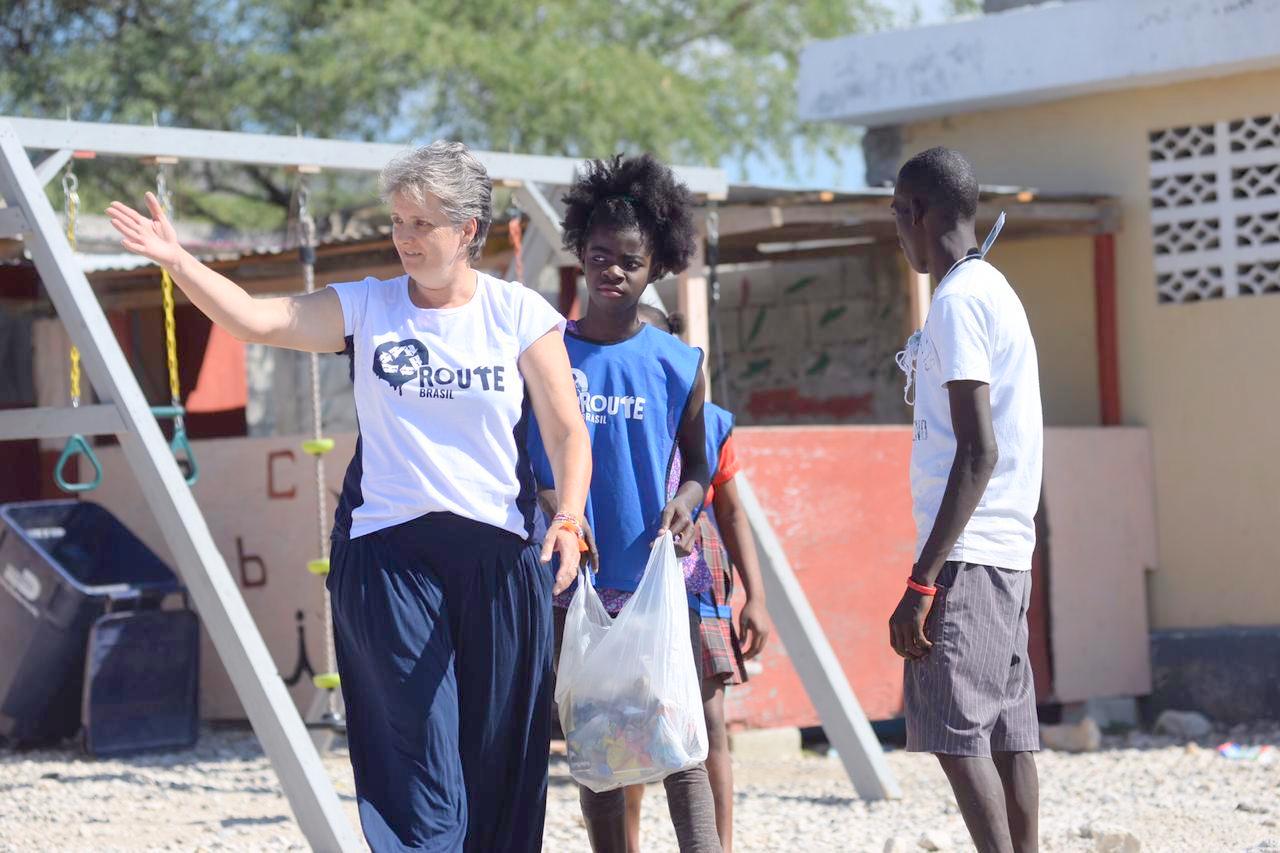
630,702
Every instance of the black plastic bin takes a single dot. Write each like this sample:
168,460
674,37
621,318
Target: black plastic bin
62,565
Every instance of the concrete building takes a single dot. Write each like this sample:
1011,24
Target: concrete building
1133,146
1170,107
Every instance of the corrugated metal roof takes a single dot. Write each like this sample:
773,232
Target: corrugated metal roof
117,261
210,246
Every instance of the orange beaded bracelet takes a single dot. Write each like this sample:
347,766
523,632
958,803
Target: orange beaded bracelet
571,523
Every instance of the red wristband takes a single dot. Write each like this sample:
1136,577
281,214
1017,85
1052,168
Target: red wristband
921,588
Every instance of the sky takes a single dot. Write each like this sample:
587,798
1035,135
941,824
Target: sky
845,170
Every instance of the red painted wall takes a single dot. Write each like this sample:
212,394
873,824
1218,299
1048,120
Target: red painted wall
840,500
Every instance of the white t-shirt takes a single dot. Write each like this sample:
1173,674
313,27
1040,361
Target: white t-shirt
441,403
977,330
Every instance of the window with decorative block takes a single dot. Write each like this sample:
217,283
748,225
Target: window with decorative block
1215,209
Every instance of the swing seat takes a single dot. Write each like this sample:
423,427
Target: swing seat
180,445
327,681
77,446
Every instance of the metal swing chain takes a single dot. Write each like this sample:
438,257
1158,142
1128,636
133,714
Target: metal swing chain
71,209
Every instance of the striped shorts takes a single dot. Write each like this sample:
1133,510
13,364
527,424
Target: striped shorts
973,694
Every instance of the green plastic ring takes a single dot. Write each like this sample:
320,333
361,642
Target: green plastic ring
181,448
77,446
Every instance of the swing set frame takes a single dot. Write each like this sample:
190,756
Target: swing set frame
124,411
77,447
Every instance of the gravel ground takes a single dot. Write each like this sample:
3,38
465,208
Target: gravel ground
223,796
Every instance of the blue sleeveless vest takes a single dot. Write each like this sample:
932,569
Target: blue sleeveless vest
633,396
719,423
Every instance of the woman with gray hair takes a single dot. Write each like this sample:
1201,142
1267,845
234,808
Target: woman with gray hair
441,600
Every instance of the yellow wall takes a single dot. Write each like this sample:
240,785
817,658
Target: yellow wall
1054,279
1202,376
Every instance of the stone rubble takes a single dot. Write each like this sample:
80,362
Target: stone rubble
1141,792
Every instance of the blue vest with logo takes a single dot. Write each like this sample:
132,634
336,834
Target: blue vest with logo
719,423
633,395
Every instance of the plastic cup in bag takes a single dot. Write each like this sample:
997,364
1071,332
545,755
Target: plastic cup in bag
630,702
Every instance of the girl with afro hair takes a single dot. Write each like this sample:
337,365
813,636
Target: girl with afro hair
630,222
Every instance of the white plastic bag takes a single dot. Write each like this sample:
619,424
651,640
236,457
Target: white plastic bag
630,702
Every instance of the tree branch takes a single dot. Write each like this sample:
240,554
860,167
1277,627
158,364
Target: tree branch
719,26
196,202
277,195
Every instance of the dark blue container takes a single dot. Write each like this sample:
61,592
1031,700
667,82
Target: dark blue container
63,564
142,682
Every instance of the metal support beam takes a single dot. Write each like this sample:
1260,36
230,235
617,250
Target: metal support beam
59,422
136,142
50,166
815,662
222,610
536,254
1069,216
542,243
13,223
545,220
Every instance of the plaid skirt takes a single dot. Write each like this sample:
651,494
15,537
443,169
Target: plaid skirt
721,650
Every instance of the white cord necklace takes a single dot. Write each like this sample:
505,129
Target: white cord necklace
906,359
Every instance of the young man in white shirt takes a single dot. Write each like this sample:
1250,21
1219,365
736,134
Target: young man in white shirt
975,483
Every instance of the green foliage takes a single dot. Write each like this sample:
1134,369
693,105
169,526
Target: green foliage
694,81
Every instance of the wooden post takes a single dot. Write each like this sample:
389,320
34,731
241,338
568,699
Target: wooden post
693,301
1108,340
919,293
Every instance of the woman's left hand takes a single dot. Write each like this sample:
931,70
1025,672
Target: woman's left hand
563,541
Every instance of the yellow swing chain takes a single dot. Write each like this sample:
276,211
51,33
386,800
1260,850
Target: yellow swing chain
77,445
166,290
179,445
71,208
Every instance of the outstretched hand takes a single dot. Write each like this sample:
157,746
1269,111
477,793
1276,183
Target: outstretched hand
153,238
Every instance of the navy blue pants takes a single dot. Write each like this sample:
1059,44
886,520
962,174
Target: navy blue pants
443,633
